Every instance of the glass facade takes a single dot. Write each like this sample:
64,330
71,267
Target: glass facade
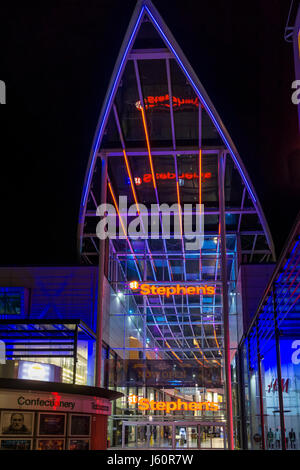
269,360
168,309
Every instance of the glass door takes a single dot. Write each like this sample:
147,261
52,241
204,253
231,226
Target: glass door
212,437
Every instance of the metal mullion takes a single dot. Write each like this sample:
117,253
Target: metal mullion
279,372
176,349
242,206
94,199
253,247
171,103
95,246
185,323
141,152
291,272
206,212
222,222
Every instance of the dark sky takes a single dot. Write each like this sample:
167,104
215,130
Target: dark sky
57,59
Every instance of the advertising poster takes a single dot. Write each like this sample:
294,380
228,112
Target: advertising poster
17,423
52,424
80,425
50,444
79,444
16,444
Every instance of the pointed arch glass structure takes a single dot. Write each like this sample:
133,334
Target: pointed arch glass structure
160,140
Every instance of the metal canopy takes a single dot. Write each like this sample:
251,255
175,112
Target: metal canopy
42,338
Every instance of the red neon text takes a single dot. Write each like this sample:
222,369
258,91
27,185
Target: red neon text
147,177
164,101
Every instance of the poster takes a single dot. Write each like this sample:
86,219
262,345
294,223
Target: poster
17,423
79,444
16,444
50,444
80,425
52,424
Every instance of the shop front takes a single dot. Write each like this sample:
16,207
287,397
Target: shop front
269,358
48,416
173,435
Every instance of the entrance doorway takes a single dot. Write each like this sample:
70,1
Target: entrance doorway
173,435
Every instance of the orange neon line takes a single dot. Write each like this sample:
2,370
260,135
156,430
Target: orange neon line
131,180
173,351
218,346
148,147
196,358
117,208
197,345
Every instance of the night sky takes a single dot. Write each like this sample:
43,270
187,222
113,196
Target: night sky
57,60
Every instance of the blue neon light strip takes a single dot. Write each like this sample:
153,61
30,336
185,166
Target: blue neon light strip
206,105
109,101
193,84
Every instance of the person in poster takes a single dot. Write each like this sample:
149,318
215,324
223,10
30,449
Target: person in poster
17,425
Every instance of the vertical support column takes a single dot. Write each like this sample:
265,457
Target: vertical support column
99,329
279,376
261,402
144,325
99,432
75,353
221,177
144,306
241,382
251,415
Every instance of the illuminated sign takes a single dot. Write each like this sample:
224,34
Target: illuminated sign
273,385
168,406
177,289
35,371
164,102
53,401
2,352
147,177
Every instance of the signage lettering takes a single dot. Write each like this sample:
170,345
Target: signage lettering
296,354
273,386
150,289
164,101
38,402
147,177
168,406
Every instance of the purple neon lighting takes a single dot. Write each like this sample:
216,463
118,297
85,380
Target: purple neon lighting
193,84
204,102
109,101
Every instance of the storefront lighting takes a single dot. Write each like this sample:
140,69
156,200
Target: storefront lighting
177,289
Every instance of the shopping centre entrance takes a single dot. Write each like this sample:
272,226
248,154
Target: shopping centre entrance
173,435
